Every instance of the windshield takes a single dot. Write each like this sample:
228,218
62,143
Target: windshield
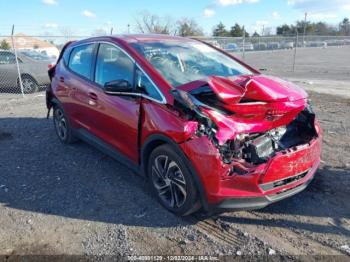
183,62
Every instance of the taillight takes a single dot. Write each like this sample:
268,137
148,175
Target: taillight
49,66
51,71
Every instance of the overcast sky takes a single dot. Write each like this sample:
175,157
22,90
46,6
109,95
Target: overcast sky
83,17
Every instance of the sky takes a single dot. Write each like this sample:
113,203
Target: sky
83,17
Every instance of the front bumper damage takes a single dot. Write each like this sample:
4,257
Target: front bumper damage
256,142
287,173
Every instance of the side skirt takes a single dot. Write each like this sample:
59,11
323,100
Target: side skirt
105,148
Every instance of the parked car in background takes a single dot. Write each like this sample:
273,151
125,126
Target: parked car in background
231,47
260,46
316,44
287,45
214,43
248,46
33,72
335,42
39,56
206,129
273,45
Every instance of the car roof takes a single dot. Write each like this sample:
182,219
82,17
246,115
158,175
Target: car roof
133,38
151,37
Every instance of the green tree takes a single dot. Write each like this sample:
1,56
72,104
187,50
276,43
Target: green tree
255,34
5,45
236,30
285,30
344,27
220,30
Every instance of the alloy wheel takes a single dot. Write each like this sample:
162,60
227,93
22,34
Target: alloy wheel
169,181
60,124
29,86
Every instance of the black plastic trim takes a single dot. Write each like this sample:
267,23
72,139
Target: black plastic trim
91,139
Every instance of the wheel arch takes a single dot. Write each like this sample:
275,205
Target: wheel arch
28,75
157,140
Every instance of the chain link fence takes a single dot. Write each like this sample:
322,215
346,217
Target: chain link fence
25,59
24,64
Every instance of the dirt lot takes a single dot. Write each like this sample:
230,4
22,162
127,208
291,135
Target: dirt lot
57,199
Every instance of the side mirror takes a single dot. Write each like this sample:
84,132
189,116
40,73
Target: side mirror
117,87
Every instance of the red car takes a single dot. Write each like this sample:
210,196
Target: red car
205,128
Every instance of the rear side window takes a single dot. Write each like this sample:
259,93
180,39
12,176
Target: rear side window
81,60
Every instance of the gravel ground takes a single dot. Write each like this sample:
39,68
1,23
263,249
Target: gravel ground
57,199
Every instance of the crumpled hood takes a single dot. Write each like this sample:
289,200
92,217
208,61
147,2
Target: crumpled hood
249,87
258,103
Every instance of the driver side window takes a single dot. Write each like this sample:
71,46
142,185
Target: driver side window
113,64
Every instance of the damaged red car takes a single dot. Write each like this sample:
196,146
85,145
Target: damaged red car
205,128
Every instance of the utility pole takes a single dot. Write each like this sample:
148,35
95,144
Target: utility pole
243,43
17,64
263,30
304,29
111,30
295,48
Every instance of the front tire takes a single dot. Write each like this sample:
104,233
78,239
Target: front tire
62,126
172,182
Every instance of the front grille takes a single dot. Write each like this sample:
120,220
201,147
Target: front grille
283,182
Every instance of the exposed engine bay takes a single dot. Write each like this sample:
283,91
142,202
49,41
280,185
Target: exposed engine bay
248,118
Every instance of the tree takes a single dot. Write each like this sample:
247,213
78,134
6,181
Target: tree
220,30
5,45
255,34
344,27
150,23
236,31
309,27
188,27
284,30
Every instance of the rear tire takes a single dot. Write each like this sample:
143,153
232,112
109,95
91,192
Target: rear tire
62,126
172,182
30,86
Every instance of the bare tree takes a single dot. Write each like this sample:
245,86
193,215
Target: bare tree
188,27
151,23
